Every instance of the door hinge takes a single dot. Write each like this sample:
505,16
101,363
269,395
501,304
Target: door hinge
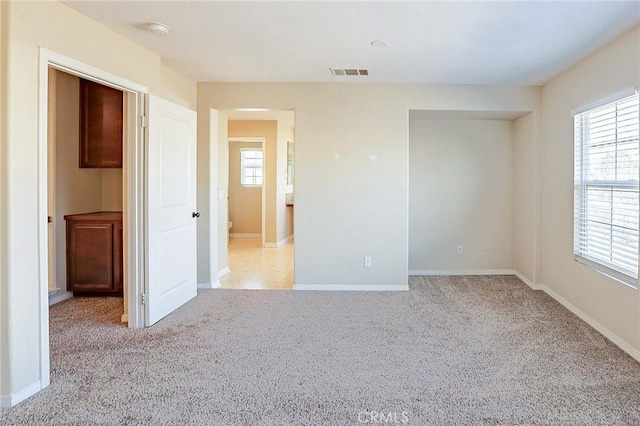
143,298
144,121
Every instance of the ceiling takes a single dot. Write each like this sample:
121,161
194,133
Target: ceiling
446,42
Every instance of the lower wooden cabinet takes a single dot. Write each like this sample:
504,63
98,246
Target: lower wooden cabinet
94,254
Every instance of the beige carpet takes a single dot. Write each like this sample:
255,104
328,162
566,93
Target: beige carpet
451,351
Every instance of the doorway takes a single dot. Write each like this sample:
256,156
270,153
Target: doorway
132,191
158,201
261,238
247,188
85,197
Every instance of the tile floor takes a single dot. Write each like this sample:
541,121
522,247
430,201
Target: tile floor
256,268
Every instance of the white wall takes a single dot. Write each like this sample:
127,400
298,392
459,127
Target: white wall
212,193
27,26
613,305
460,193
176,88
203,227
525,206
219,181
352,166
283,220
111,190
5,353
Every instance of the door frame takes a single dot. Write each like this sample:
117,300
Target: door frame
136,97
263,145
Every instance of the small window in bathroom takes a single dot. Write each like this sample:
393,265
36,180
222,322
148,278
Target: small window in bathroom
251,166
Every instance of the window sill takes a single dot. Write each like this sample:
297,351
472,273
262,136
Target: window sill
608,272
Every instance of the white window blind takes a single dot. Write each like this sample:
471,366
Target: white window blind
606,203
251,166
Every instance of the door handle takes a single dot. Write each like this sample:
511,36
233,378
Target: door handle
195,214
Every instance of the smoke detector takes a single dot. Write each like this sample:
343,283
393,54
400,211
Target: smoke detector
379,43
157,28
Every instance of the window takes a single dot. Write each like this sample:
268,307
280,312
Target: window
251,166
606,203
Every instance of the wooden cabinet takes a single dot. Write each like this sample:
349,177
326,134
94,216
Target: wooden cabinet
94,254
101,117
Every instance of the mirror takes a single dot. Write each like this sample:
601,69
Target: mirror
290,157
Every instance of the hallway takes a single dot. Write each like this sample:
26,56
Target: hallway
256,268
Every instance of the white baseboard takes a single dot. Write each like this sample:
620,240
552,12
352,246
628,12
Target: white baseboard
58,296
635,353
205,286
462,272
224,271
244,235
7,401
124,319
527,281
350,287
615,339
279,243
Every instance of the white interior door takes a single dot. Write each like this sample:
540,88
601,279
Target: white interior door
171,221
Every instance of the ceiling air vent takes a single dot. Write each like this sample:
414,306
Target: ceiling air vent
348,71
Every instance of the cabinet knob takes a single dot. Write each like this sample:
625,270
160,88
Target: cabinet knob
195,214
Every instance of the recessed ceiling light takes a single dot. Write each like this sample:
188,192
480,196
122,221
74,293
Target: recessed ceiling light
157,28
379,43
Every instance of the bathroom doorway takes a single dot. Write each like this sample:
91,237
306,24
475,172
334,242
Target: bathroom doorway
260,200
247,188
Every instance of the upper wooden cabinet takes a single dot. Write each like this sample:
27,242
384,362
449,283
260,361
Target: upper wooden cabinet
101,111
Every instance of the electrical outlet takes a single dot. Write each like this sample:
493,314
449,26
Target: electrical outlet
459,250
367,262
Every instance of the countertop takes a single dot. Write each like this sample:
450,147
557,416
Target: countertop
95,216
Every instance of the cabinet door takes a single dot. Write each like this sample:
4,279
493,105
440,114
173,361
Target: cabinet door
90,256
101,110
